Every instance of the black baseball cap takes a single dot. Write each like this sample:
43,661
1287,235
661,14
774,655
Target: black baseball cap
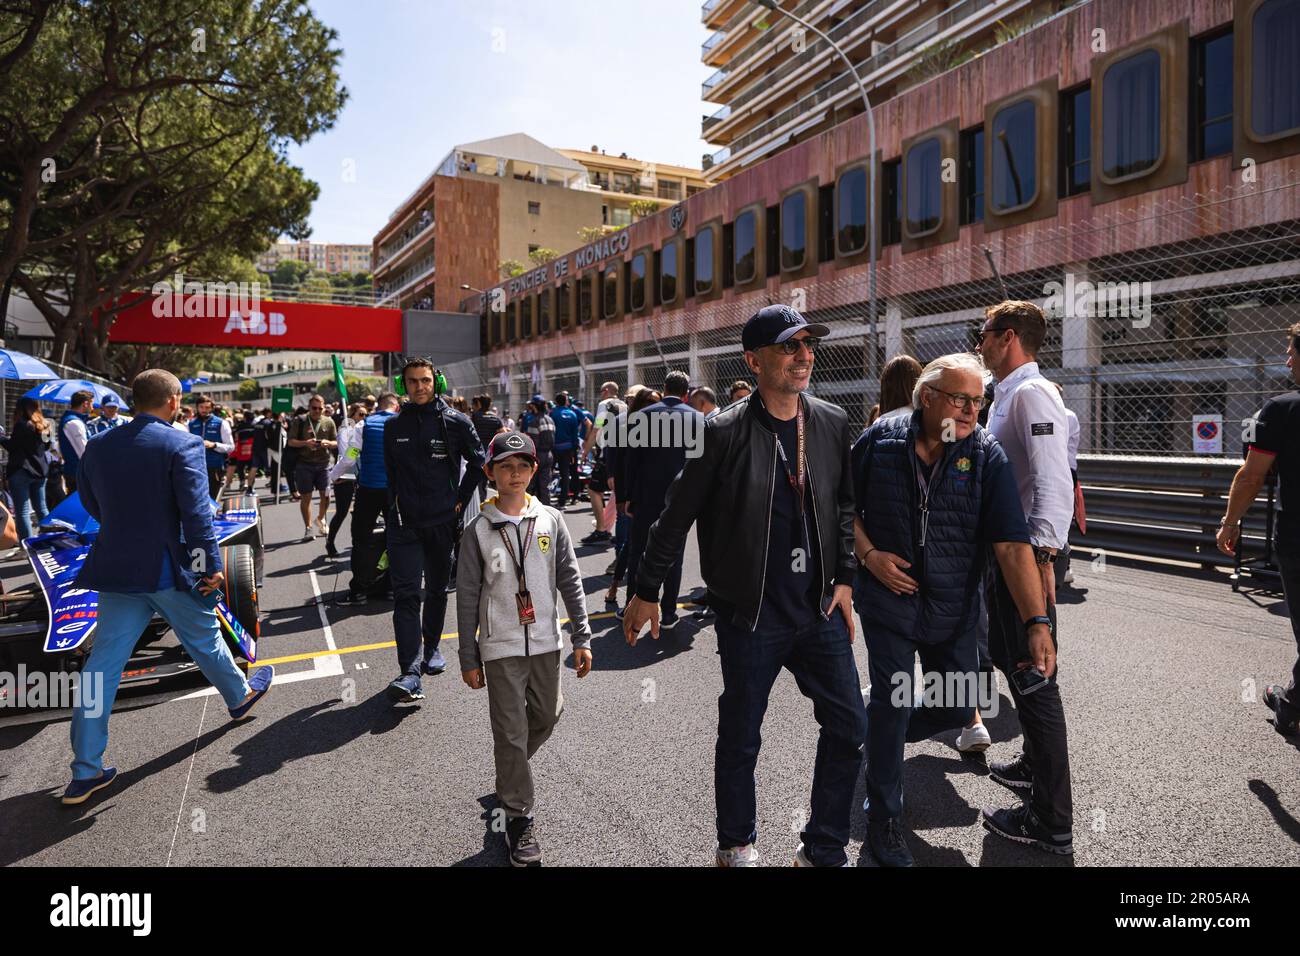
505,444
773,324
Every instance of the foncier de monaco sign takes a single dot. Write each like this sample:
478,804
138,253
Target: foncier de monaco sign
612,245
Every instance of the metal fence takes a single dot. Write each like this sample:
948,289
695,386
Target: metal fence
1150,332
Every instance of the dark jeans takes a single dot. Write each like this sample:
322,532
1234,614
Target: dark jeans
636,542
1288,562
891,718
540,486
821,659
1042,716
343,492
54,492
414,553
288,465
216,476
566,463
622,531
370,504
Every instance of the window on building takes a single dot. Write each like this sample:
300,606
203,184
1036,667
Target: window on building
745,247
526,318
544,311
584,300
851,234
794,231
704,261
563,304
511,325
609,291
1275,68
972,175
1076,141
533,247
924,187
891,203
670,189
1014,156
622,216
826,222
534,208
1130,115
668,273
1212,96
636,282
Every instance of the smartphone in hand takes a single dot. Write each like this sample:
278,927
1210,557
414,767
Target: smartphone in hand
211,598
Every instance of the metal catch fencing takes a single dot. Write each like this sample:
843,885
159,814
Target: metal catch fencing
1162,318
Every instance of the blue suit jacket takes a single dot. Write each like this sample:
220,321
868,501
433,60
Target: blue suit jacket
146,483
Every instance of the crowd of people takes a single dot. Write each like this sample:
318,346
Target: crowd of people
943,525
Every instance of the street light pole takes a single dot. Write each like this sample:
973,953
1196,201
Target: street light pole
871,162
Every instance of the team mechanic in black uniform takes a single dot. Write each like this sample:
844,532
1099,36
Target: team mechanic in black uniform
1276,441
424,445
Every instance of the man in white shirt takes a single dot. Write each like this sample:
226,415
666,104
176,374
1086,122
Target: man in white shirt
609,408
1029,419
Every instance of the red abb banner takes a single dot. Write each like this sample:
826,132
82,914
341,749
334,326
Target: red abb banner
174,319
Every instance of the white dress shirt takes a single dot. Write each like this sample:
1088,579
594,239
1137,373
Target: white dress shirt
345,469
1030,421
75,430
1073,447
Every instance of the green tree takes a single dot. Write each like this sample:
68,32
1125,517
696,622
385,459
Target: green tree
511,268
357,388
542,256
590,233
316,288
643,207
144,139
248,390
290,273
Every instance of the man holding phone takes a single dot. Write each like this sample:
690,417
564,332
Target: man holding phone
156,552
314,436
933,491
1028,418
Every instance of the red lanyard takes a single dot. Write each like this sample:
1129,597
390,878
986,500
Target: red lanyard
798,478
523,551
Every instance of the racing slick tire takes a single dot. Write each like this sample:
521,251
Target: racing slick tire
241,586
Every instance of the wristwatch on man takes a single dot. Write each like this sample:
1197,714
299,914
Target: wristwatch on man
1038,619
1044,556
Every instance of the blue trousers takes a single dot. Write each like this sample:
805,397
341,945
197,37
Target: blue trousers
821,659
122,619
29,496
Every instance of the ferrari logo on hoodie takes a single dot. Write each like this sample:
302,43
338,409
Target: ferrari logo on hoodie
544,543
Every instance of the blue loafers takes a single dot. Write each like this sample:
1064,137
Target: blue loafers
259,684
80,790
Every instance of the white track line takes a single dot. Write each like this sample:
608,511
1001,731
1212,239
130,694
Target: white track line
327,665
184,793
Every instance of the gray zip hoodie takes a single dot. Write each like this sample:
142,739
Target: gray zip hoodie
486,584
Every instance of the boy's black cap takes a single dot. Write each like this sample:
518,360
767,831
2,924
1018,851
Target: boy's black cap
773,324
505,444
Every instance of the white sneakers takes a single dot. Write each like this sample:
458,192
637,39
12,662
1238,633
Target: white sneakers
974,739
308,534
321,527
739,856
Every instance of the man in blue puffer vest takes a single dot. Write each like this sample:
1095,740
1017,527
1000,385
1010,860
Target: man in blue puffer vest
369,502
73,436
932,492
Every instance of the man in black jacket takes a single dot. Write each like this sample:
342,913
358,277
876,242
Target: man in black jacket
773,495
424,445
486,423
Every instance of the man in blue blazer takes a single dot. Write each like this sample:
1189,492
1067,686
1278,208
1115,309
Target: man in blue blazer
654,459
156,552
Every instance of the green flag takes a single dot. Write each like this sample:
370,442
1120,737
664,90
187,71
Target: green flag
338,379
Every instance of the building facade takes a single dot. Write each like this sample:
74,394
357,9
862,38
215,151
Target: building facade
1131,165
322,256
300,370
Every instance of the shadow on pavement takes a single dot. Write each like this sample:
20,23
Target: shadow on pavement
36,821
494,843
1281,816
318,729
610,650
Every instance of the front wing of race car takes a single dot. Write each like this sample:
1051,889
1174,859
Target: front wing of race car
56,558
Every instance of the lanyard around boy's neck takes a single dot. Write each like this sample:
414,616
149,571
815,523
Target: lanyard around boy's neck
523,550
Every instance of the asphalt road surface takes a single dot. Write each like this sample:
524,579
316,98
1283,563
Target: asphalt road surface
1173,760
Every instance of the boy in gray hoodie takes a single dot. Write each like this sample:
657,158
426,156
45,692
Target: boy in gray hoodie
516,560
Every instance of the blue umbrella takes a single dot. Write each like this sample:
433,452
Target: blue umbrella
60,390
20,365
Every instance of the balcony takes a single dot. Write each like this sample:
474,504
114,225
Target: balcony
413,276
714,120
764,41
413,232
709,44
711,82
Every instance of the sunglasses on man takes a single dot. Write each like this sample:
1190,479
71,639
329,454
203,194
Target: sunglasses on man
791,346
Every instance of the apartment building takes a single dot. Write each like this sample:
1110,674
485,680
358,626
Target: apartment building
501,200
323,256
776,83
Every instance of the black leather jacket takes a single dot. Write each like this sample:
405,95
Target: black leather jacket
728,490
423,449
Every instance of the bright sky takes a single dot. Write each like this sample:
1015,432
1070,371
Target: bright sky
425,75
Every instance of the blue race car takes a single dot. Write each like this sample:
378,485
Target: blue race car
49,626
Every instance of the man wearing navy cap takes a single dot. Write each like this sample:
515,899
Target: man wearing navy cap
773,495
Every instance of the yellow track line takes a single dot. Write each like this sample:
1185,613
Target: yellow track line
450,636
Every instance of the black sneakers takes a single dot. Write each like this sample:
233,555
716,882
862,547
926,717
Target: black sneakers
349,599
596,537
1284,713
1022,825
886,843
524,848
1014,775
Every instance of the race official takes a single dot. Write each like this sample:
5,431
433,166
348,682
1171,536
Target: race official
217,442
73,436
1028,419
773,495
156,553
425,447
108,419
1276,444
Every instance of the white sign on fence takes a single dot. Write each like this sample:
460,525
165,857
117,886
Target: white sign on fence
1207,434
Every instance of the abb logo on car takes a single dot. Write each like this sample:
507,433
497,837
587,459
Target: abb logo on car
256,323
